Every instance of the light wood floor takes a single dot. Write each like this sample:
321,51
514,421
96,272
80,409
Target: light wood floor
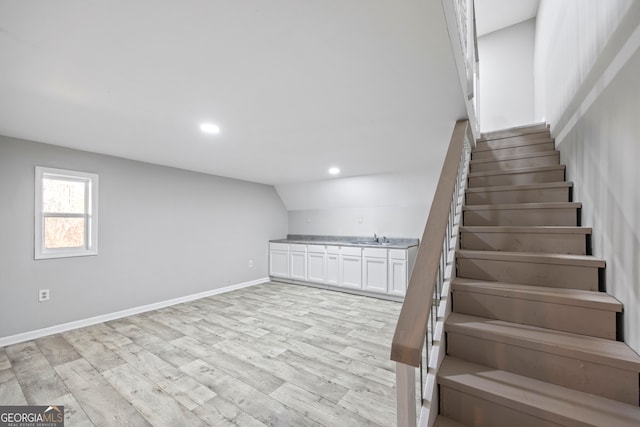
273,354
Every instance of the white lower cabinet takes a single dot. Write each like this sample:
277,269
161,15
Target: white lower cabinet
351,267
398,272
374,270
316,264
333,265
279,260
298,262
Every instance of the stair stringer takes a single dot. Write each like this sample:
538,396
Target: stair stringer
431,403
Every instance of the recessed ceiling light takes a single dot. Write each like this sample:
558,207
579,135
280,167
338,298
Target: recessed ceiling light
334,170
209,128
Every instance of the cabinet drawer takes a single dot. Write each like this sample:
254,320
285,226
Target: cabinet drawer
335,250
374,252
397,254
279,246
297,248
316,249
348,250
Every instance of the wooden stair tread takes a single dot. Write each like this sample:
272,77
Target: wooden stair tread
442,421
562,296
514,131
535,133
516,157
518,206
534,257
581,347
514,141
536,398
529,229
537,186
516,171
527,142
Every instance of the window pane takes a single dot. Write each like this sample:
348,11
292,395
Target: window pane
63,233
63,196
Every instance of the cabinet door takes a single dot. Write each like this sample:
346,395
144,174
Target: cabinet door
375,274
333,269
398,276
298,261
316,267
351,271
279,263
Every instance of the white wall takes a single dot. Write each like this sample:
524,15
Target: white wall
164,233
393,205
587,65
506,77
384,221
570,40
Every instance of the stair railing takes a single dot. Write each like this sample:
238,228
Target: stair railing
460,16
466,23
420,325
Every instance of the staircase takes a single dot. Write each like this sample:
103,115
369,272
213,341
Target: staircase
532,339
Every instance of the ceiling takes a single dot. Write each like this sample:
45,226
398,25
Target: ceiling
493,15
369,86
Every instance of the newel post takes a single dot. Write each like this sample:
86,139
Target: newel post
406,395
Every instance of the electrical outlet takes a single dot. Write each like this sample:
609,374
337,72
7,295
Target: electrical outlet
250,263
43,295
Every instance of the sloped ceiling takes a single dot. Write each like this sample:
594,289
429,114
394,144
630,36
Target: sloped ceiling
295,86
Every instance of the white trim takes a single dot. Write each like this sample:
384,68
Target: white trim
38,333
363,293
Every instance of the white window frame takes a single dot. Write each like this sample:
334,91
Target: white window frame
90,215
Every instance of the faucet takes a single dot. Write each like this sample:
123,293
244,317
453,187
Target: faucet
375,238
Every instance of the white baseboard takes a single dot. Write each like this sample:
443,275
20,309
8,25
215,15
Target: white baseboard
38,333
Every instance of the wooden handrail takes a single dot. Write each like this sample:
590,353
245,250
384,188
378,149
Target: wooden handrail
411,328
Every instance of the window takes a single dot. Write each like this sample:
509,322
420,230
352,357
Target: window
66,213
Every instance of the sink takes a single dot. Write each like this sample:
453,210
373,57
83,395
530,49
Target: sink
370,243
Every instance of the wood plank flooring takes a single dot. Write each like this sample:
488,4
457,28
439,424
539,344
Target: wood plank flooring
269,355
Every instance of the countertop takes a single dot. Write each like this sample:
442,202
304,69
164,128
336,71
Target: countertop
357,241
